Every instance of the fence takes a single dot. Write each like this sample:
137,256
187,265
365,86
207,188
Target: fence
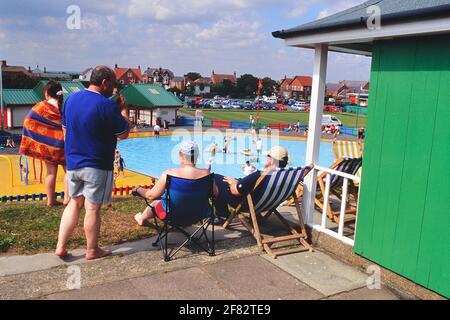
323,226
122,191
226,124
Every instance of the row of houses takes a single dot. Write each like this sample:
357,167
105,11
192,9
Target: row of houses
164,77
147,102
38,73
299,87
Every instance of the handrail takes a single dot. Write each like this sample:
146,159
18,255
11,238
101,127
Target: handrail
322,227
338,173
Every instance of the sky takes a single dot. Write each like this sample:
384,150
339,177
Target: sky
182,35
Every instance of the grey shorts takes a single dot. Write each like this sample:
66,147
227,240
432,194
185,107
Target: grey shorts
94,184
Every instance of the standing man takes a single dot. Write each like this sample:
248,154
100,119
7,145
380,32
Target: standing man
92,124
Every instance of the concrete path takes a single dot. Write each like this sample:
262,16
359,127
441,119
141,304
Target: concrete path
249,278
238,271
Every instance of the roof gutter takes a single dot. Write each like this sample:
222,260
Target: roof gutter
431,12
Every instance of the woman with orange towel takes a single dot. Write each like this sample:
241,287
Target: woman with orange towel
43,137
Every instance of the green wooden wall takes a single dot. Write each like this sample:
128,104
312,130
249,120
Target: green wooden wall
404,210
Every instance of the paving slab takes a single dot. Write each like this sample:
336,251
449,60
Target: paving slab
321,272
254,278
120,290
366,294
25,264
188,284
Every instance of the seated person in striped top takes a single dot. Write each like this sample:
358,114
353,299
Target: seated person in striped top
233,191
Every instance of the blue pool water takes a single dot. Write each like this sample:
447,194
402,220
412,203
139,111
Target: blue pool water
152,156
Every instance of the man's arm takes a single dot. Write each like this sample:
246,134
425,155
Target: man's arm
126,116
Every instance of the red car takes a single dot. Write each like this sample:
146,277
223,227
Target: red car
281,107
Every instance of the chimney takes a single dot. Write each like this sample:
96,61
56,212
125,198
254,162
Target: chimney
3,63
115,65
29,68
139,67
213,72
45,69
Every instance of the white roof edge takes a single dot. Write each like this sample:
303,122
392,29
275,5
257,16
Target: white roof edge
404,29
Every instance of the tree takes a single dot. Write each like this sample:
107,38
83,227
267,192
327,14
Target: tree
269,86
226,88
192,76
247,86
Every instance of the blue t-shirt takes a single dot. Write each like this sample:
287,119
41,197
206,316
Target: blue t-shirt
92,124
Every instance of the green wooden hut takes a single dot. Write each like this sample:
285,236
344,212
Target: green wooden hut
404,203
148,102
18,102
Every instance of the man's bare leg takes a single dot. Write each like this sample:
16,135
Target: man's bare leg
68,224
92,231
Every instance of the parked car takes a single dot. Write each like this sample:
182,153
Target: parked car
236,104
280,106
271,100
249,105
281,100
330,120
299,106
216,105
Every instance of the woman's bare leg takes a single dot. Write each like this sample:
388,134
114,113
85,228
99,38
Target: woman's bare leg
146,215
50,182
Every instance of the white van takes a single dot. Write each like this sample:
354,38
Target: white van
329,120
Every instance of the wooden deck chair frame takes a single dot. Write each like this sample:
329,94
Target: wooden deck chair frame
332,215
297,232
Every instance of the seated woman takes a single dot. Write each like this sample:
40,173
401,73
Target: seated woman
188,155
233,191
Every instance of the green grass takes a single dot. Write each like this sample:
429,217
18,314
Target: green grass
28,228
348,120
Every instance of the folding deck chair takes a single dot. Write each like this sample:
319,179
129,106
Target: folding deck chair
346,165
269,192
348,149
186,202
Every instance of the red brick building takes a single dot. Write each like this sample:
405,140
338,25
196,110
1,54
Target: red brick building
126,76
284,87
220,78
298,87
178,82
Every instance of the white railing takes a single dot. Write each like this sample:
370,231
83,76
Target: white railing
323,226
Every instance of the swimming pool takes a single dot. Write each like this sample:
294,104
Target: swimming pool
152,156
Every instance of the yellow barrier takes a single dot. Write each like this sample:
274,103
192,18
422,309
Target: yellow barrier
10,169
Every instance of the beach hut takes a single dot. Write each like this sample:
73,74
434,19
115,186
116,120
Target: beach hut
18,102
404,207
148,102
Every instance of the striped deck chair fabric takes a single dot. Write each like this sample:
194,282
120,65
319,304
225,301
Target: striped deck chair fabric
277,187
349,166
269,192
347,149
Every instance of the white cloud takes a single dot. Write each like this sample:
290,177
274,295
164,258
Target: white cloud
196,35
